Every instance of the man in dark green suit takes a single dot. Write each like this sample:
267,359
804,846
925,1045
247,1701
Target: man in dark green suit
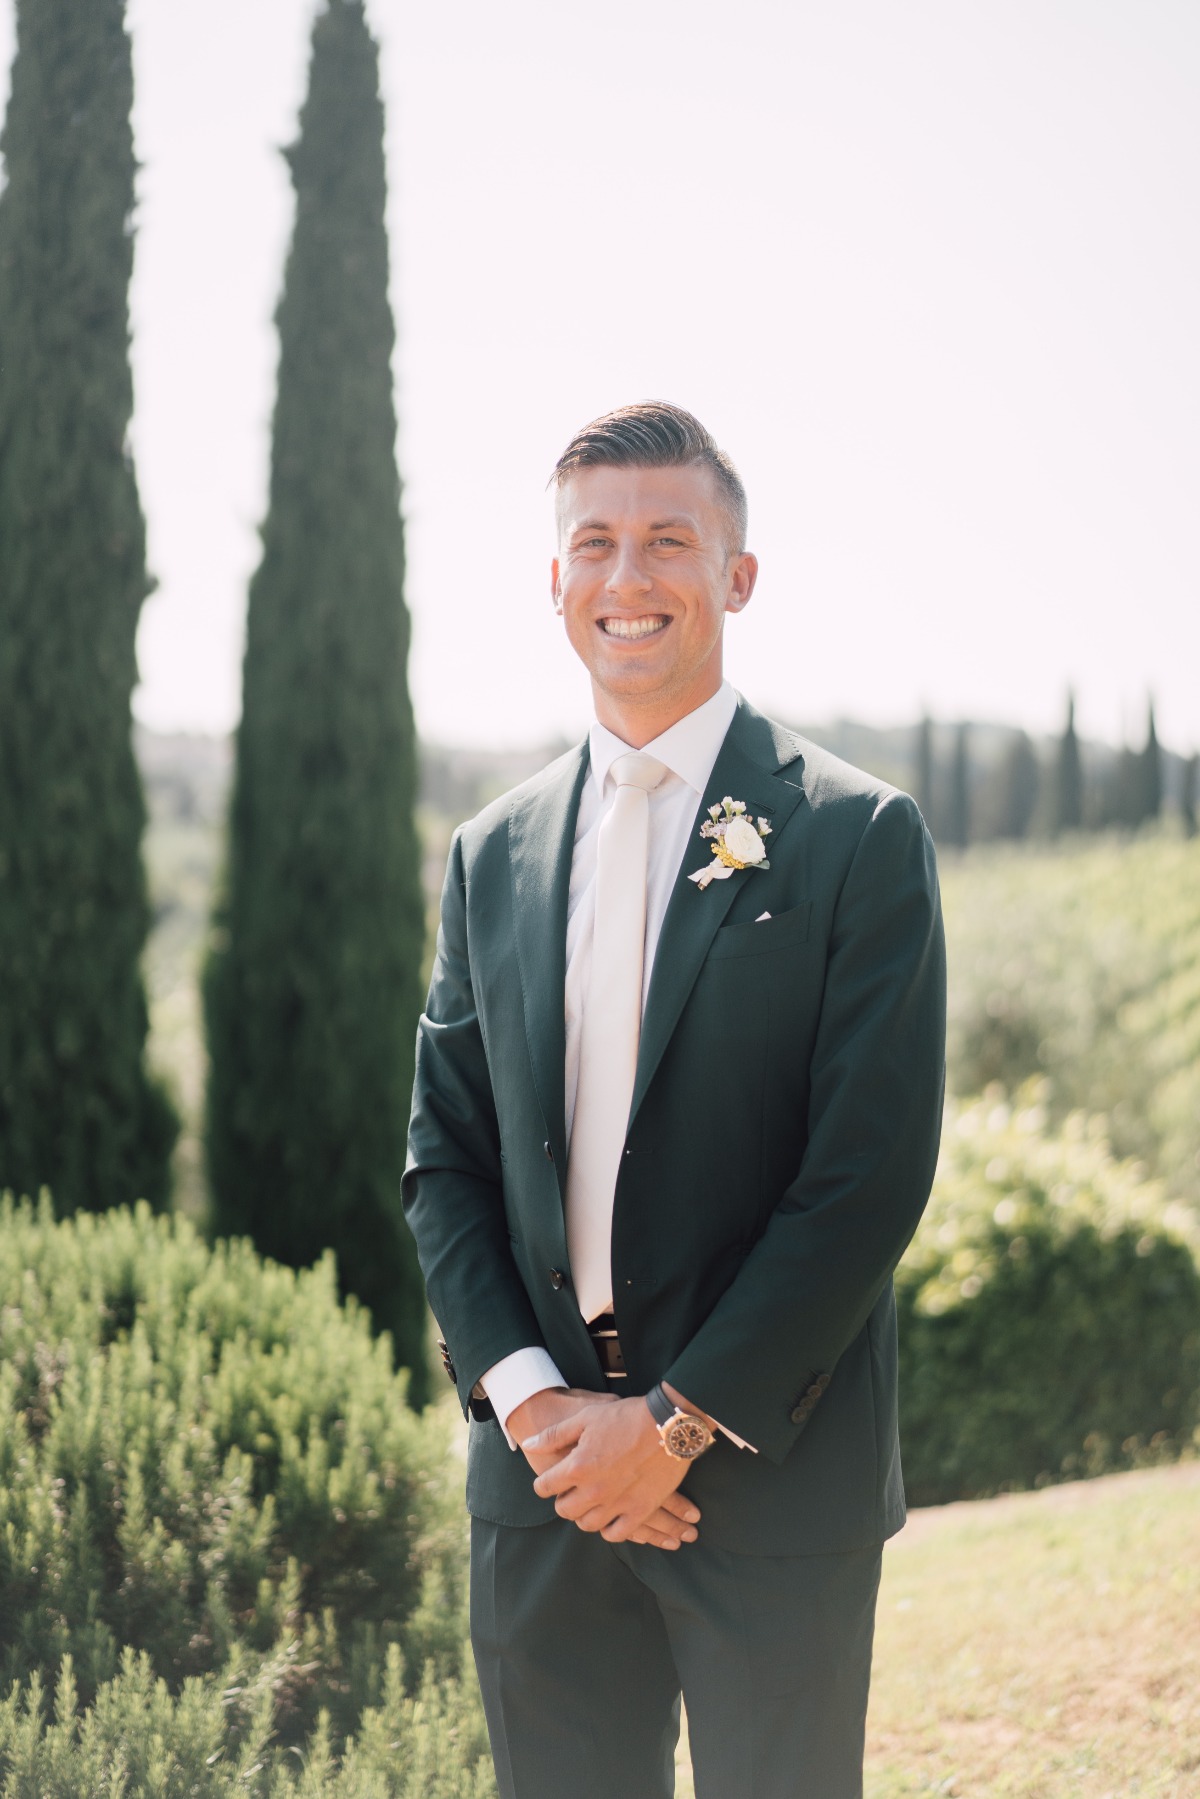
689,1487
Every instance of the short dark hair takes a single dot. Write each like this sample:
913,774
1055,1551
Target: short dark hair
655,434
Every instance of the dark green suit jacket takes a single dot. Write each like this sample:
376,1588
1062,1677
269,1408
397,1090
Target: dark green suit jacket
781,1145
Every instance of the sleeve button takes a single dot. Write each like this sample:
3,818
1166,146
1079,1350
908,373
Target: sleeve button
557,1278
798,1414
548,1150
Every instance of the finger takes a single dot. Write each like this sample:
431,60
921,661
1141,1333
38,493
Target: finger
591,1518
574,1506
542,1464
659,1529
656,1539
667,1524
557,1436
682,1507
559,1478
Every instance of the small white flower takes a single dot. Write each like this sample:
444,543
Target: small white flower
744,842
714,811
739,805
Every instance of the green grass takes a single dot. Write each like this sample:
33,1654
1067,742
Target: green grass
1041,1646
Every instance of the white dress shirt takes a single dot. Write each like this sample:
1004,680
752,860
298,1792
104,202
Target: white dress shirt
688,750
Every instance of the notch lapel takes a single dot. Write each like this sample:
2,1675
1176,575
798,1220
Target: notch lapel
541,838
748,767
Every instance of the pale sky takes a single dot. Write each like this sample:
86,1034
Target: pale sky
930,273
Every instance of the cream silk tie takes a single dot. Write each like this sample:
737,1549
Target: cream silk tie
611,1027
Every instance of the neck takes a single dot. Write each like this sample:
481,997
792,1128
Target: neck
638,721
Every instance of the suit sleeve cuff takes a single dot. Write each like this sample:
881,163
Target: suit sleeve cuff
516,1378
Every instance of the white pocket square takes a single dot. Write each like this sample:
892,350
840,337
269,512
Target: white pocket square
761,916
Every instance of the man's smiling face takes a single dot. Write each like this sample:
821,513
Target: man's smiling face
643,578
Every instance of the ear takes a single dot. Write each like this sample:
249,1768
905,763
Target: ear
556,587
743,574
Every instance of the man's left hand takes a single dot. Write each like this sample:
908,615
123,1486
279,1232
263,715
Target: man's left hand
612,1472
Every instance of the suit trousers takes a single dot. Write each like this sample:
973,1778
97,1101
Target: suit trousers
583,1648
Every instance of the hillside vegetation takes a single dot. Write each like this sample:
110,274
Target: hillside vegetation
1080,964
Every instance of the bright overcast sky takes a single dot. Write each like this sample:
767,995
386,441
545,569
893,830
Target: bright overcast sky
930,272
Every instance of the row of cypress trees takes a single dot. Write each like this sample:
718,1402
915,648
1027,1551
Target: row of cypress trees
1018,795
311,991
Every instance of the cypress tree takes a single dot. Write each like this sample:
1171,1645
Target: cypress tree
78,1110
1125,789
312,986
1149,785
1068,789
1191,794
958,826
923,773
1020,778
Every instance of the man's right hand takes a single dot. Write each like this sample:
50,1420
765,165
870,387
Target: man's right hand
668,1528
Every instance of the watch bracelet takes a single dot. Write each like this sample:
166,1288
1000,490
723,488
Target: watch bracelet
662,1409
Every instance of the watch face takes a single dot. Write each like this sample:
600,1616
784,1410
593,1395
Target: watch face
685,1437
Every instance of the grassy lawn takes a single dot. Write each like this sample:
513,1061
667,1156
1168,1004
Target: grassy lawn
1045,1645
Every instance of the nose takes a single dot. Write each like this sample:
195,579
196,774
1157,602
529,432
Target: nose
629,580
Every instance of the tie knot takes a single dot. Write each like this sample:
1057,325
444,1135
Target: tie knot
637,770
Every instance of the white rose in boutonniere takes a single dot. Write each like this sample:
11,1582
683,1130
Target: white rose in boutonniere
743,842
736,842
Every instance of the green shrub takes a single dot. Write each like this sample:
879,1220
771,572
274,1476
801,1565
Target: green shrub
212,1741
1049,1311
206,1458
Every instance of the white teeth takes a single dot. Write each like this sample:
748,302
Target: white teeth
632,627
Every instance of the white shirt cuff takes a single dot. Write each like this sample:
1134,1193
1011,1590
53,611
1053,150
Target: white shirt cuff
741,1443
517,1378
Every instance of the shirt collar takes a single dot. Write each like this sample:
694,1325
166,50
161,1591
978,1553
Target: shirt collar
688,748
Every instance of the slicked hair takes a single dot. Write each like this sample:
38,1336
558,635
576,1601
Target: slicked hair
655,434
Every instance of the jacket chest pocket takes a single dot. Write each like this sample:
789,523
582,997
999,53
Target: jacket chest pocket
764,937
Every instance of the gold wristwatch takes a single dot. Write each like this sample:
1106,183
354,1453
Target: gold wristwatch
681,1434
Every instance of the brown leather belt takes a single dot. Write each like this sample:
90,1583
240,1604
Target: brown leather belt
603,1332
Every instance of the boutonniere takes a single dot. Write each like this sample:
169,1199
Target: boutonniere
736,842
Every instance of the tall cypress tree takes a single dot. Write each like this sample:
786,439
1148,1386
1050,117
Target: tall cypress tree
958,824
78,1110
1190,798
923,771
1068,789
1149,783
1020,776
312,987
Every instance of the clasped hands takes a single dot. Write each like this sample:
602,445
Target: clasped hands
602,1462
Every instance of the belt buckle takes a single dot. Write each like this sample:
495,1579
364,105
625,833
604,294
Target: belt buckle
603,1332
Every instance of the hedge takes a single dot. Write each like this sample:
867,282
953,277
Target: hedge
1049,1311
207,1461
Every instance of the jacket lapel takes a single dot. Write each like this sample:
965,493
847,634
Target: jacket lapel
541,835
750,766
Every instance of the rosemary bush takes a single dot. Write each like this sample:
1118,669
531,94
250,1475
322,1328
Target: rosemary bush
213,1499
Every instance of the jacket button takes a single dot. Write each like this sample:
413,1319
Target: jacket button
799,1414
549,1151
557,1278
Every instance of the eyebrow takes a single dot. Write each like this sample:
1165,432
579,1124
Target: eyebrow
662,524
